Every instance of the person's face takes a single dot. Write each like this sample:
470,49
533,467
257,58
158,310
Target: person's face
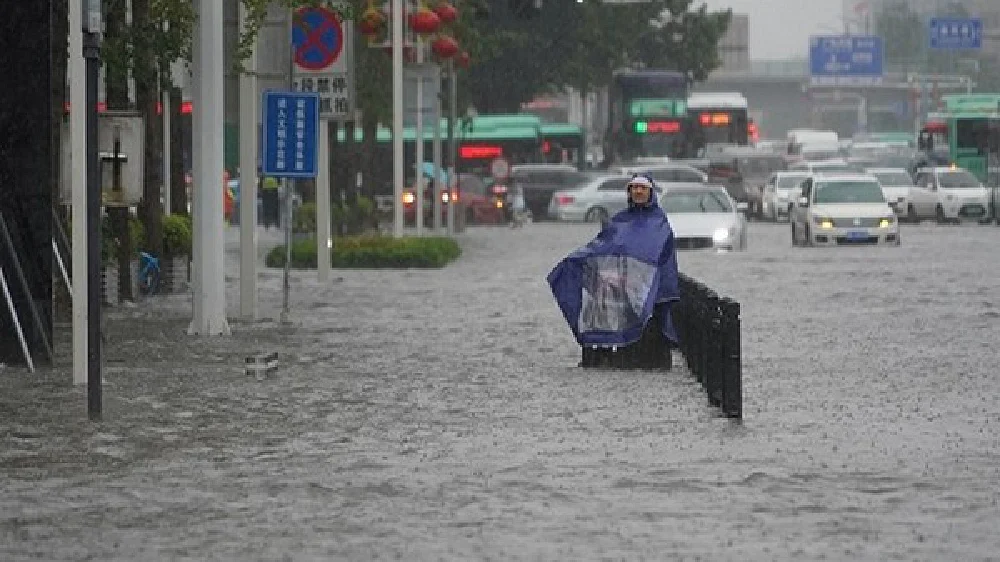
639,193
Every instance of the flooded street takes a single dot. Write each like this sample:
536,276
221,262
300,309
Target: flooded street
425,415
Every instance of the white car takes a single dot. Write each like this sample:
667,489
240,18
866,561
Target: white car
829,165
668,173
595,200
896,184
704,217
949,194
843,210
780,192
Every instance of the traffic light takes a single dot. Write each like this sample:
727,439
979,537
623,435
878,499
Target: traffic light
525,9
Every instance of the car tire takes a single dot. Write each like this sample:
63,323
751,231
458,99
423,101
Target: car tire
911,215
939,215
596,214
795,238
808,235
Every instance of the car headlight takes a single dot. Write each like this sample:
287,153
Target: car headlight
823,222
723,234
886,222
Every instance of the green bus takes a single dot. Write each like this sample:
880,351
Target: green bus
967,133
562,143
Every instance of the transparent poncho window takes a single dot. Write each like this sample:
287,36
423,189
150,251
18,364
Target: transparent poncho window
614,292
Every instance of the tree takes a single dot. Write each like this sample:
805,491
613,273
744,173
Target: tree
904,47
684,40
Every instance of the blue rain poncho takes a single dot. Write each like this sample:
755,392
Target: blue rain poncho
608,289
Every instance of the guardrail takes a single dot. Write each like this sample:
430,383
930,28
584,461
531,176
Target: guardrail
708,327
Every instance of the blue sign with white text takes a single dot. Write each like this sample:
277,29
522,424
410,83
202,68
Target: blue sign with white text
956,33
846,60
290,139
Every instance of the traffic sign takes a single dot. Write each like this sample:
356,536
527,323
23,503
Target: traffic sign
956,33
846,60
322,61
500,168
291,134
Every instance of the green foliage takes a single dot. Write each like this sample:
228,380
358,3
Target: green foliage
373,252
357,217
177,235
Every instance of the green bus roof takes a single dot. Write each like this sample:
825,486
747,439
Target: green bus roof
506,120
561,129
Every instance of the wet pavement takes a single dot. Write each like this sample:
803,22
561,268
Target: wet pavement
425,415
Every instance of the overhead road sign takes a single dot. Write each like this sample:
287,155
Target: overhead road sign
846,60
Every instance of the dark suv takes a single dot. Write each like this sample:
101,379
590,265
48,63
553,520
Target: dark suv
541,181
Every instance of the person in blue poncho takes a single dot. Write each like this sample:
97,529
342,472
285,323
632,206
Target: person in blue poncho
618,289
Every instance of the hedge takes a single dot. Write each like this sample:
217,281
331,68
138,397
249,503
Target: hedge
372,252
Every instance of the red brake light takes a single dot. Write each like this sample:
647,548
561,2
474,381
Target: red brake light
564,199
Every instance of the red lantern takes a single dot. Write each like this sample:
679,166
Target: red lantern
372,22
445,46
424,21
446,12
464,59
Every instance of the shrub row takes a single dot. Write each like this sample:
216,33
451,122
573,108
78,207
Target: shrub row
372,252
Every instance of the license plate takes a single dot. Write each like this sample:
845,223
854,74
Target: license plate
857,235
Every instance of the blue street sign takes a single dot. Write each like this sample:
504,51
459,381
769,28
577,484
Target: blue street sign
956,33
291,134
846,60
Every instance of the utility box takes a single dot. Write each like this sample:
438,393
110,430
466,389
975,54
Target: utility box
128,128
121,142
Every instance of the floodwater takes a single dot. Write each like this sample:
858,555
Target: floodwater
426,415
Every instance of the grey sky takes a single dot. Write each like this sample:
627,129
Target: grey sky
781,28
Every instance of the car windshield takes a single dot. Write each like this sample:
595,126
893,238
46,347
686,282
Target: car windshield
790,182
707,201
848,192
957,179
833,168
894,179
759,166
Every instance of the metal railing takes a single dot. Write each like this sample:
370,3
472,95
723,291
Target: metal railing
708,327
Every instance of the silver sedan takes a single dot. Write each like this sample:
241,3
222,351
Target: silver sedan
704,217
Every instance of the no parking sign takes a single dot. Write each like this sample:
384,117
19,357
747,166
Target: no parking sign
323,60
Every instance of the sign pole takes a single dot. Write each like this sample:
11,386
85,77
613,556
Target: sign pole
92,54
323,227
285,285
398,170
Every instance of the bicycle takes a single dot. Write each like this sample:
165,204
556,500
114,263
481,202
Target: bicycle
149,274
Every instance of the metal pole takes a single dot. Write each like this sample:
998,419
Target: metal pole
398,170
437,157
323,229
248,184
17,322
418,136
165,104
287,184
79,160
92,54
452,141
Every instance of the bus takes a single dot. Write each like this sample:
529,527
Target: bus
718,118
562,143
646,116
966,133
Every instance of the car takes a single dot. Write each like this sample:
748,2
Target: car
704,216
829,165
949,194
667,173
896,185
843,210
540,181
780,192
595,200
